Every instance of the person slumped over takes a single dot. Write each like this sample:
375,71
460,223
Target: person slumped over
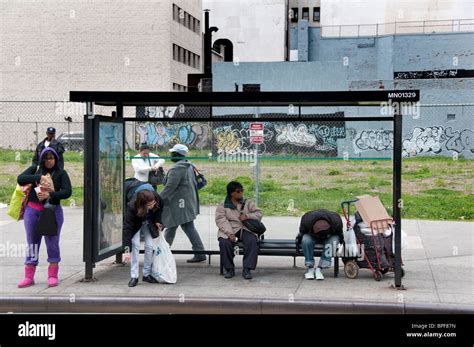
319,227
144,209
48,165
229,219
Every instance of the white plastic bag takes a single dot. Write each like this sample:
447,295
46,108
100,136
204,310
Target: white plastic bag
351,248
164,264
404,240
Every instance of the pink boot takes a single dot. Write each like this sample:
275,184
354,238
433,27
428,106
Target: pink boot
53,275
29,279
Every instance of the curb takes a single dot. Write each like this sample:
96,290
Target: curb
168,305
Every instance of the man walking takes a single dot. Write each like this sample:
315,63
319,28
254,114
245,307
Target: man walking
50,141
181,201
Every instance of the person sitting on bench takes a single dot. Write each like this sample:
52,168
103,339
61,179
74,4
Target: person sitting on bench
229,217
319,227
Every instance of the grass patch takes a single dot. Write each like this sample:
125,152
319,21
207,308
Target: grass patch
374,182
439,206
424,172
433,188
439,182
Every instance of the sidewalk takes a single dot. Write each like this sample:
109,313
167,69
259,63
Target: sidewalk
438,264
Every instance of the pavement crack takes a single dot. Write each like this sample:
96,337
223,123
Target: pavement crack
429,263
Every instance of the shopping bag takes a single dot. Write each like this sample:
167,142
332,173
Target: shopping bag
351,248
19,201
404,240
15,203
164,264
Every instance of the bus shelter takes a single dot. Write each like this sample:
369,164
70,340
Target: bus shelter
104,153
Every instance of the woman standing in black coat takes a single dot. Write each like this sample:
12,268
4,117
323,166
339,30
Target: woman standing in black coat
37,176
143,213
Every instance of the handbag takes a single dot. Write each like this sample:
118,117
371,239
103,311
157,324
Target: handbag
253,225
155,178
201,181
47,224
18,202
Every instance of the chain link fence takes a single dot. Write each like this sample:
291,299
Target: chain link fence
428,130
292,167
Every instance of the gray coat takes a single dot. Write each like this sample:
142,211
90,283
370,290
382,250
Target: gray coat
180,195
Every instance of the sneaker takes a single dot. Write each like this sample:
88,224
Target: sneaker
319,274
309,275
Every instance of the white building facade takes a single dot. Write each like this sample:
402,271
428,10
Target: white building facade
51,47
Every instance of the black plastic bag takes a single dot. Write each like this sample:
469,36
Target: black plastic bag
47,224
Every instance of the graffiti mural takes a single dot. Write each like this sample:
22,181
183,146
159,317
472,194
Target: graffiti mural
295,135
327,135
378,140
227,139
459,141
432,74
283,138
279,137
165,134
428,140
424,140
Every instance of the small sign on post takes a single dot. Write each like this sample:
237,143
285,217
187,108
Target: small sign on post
256,133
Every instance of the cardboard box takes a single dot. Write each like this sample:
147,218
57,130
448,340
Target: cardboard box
371,210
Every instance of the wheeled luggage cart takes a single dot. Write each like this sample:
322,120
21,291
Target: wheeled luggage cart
375,250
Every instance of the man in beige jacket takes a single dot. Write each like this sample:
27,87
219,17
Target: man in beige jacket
229,217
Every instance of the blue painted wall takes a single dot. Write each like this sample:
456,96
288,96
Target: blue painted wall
366,64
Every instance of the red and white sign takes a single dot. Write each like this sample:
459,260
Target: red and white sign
256,133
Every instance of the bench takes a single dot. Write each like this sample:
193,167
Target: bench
271,247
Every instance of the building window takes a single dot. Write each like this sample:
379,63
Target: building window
184,18
185,56
179,88
175,12
198,27
294,15
175,52
305,14
316,14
